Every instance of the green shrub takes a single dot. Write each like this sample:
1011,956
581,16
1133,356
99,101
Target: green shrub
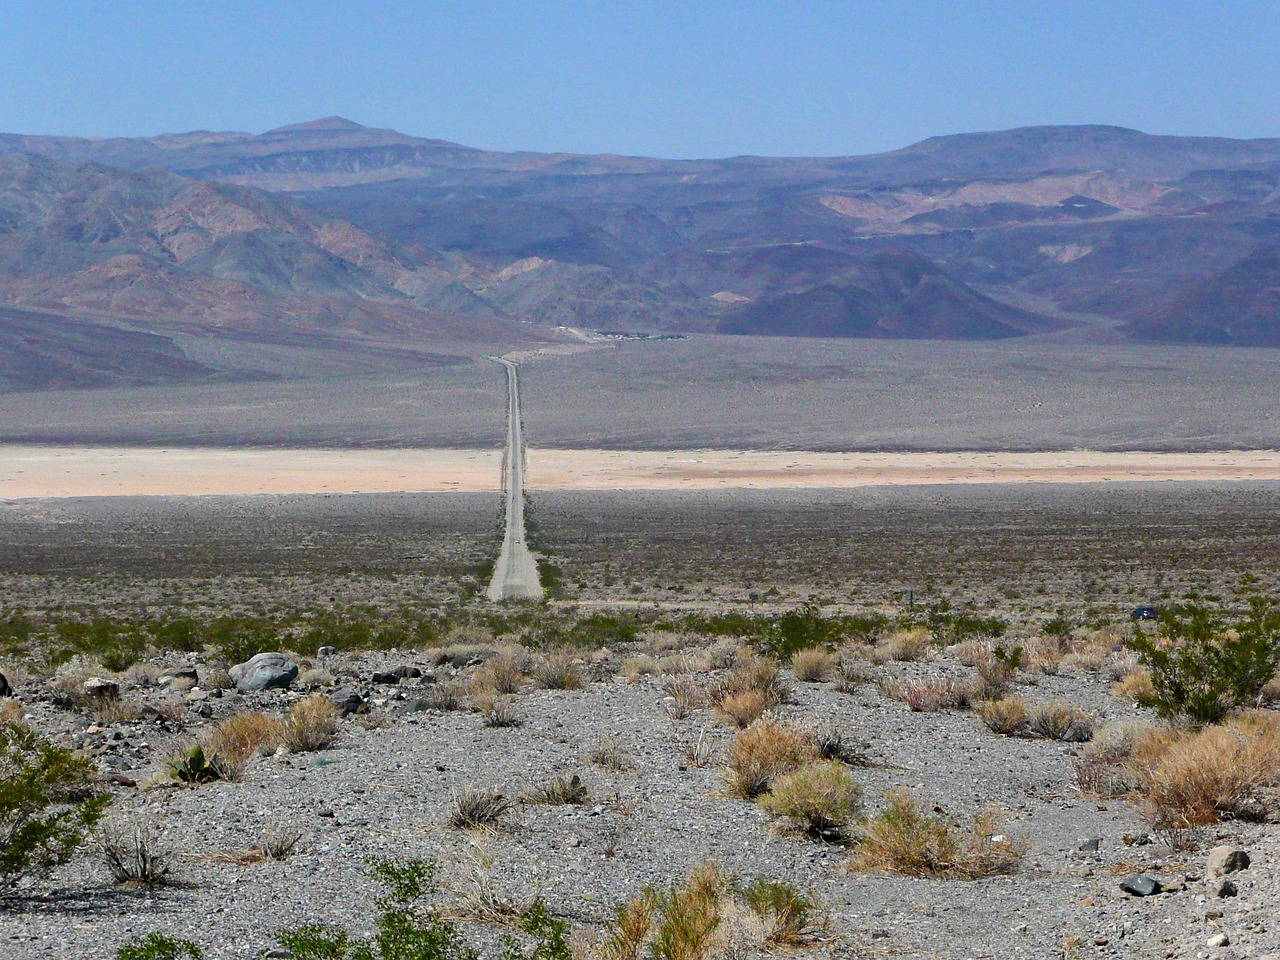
1202,667
46,804
157,946
819,798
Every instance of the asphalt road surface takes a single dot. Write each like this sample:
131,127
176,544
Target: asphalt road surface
515,575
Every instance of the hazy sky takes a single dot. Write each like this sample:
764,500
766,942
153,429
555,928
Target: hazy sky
698,78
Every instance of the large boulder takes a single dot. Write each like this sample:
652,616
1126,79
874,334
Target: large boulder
1225,859
263,672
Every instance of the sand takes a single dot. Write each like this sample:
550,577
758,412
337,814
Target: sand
51,471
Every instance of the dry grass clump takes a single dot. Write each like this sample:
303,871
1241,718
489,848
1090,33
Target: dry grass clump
276,844
813,665
852,671
445,697
216,679
1006,716
315,678
612,754
819,799
241,735
928,695
750,689
503,675
640,666
496,711
1136,686
903,646
558,671
312,724
684,662
996,670
1093,648
558,790
904,838
12,711
1101,770
1045,654
133,855
473,808
763,752
108,710
1058,720
685,696
1186,778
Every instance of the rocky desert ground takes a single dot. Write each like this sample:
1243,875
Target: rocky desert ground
864,634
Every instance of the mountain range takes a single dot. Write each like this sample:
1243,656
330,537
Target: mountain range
335,230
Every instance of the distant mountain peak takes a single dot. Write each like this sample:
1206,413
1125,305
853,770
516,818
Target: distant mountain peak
324,123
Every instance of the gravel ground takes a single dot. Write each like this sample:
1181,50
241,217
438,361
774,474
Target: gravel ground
387,791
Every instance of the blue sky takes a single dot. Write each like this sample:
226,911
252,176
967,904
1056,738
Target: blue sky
700,78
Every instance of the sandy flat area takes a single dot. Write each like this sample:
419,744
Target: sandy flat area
47,471
708,469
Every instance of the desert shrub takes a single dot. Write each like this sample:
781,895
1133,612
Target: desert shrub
46,804
477,808
312,724
686,696
158,946
499,712
688,916
558,790
904,838
759,675
743,708
996,672
1006,716
851,671
813,665
789,914
445,696
192,764
819,798
557,671
950,626
639,666
903,646
1044,654
11,711
763,752
1057,720
132,855
1135,685
612,754
1187,778
1101,769
243,734
502,675
1202,667
928,696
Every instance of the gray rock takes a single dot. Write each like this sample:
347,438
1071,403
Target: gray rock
180,673
386,677
326,651
98,689
1090,845
1222,889
263,672
407,672
1225,859
1219,940
1141,885
347,699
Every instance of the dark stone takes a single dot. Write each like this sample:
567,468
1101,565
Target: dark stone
407,673
347,699
1141,885
1223,888
98,689
5,689
264,672
389,677
1224,859
183,673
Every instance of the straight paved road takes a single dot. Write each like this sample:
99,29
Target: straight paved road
515,575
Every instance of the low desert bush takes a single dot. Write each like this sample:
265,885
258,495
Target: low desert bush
1102,770
685,695
996,671
1136,686
558,790
1044,654
790,915
743,708
813,665
1057,720
12,711
903,646
612,754
819,799
159,946
1203,667
1006,716
241,735
47,806
851,672
133,855
1187,778
904,838
928,695
312,724
558,671
499,711
502,675
639,666
763,752
759,675
474,808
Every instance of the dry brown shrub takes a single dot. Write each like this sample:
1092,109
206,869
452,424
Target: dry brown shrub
238,737
1045,654
12,711
928,695
1136,686
612,753
639,666
758,674
903,646
312,724
558,671
813,665
1093,648
108,710
1058,720
686,696
1006,716
1101,769
904,838
1188,778
743,708
762,752
851,672
503,675
685,662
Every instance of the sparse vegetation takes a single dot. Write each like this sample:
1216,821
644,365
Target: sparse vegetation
312,724
473,808
820,798
1007,716
763,752
133,855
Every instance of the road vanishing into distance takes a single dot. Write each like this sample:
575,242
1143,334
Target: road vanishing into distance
515,575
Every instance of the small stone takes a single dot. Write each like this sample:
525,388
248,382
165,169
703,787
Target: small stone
1219,940
407,672
1089,845
1141,885
573,842
98,689
1224,859
1100,941
388,677
1222,889
347,700
205,710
